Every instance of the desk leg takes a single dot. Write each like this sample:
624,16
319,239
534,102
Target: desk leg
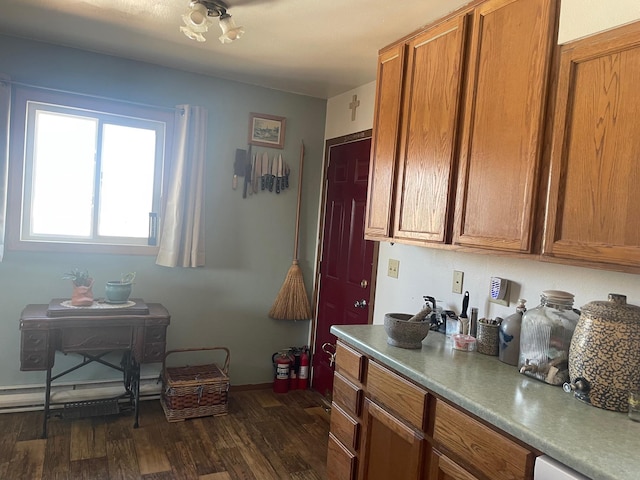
136,390
47,396
131,369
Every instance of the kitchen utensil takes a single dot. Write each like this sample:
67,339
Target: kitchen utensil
264,169
465,305
464,320
255,173
254,177
279,174
292,302
421,315
604,356
238,166
247,172
287,171
403,333
273,172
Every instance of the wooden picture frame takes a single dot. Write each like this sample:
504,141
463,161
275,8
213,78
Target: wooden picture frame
266,130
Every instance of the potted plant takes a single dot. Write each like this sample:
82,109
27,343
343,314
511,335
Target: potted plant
118,291
82,295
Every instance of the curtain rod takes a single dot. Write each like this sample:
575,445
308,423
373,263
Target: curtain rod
99,97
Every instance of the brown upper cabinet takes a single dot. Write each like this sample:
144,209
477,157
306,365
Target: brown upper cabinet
593,214
502,141
463,165
426,167
384,143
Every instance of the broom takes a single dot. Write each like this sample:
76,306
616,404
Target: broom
292,302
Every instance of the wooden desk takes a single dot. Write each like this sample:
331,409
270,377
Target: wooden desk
140,335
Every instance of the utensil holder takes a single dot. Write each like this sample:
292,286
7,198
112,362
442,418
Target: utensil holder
488,338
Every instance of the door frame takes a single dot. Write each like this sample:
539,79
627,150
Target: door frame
332,142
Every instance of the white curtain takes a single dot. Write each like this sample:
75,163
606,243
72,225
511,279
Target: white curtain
182,223
5,106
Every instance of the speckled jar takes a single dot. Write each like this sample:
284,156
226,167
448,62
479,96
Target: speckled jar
604,356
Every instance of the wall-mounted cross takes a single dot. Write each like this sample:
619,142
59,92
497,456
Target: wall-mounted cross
355,103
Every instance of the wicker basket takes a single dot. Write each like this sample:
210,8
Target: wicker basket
194,391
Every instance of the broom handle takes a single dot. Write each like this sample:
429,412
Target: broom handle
295,243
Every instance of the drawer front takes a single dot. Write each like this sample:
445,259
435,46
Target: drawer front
153,352
35,340
394,392
34,361
155,334
344,428
341,463
494,454
349,362
96,339
347,395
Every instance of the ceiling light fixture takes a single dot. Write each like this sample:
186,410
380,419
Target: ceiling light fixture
198,19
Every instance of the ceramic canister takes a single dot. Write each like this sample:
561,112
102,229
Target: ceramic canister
604,356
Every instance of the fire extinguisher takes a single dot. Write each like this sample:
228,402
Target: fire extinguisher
282,363
303,372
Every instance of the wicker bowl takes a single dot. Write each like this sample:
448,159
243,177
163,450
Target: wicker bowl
404,334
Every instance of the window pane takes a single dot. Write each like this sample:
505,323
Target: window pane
63,172
126,192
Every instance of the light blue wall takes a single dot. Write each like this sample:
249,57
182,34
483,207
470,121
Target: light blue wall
249,246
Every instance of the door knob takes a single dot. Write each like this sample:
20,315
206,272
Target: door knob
330,349
360,303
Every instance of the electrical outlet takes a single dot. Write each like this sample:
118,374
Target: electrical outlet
457,281
394,266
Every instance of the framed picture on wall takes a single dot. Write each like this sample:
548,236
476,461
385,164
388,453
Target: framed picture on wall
266,130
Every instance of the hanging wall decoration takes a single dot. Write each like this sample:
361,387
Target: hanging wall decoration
266,130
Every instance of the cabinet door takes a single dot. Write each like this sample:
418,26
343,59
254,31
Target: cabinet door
384,146
341,463
443,468
593,211
430,121
390,449
503,127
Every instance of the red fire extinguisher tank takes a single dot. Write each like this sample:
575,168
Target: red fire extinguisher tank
303,373
282,363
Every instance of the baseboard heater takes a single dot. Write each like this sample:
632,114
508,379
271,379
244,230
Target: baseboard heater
88,396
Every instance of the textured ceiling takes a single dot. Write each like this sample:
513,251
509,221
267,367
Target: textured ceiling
311,47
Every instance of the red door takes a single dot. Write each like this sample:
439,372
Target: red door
347,258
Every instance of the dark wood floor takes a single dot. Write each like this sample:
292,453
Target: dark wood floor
264,436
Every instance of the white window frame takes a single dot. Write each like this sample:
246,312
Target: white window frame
25,101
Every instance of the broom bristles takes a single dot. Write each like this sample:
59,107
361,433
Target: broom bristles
292,302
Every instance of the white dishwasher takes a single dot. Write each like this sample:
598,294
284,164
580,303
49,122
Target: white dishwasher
547,468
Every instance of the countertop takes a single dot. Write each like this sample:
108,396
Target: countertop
597,443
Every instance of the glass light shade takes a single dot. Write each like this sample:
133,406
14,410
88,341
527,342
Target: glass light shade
190,33
197,18
230,31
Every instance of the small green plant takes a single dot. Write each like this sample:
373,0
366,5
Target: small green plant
80,278
127,278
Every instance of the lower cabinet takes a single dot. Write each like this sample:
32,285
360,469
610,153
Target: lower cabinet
443,468
387,427
390,448
341,462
